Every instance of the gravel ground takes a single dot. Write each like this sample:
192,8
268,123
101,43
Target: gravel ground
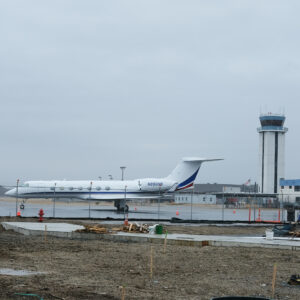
98,269
220,230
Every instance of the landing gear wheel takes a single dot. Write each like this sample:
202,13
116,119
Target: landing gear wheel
22,206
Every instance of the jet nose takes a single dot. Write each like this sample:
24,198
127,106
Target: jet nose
11,192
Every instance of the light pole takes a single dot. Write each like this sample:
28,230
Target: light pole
17,196
123,169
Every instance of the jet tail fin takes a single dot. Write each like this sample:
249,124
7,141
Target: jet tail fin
186,171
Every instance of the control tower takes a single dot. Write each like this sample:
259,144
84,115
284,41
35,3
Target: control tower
271,152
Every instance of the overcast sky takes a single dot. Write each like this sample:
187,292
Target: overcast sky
88,86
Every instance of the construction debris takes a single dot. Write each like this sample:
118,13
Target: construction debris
294,280
93,228
292,229
294,233
282,230
135,227
131,227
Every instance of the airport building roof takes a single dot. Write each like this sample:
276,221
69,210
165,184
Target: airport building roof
290,182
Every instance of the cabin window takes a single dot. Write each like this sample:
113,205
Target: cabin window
80,188
71,188
98,188
107,188
89,188
61,188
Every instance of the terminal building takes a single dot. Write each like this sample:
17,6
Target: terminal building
195,198
211,193
290,190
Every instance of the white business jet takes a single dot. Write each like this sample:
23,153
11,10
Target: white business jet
182,177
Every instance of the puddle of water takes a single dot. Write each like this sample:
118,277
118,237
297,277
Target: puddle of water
12,272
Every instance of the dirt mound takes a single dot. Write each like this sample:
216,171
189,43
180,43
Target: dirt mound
96,269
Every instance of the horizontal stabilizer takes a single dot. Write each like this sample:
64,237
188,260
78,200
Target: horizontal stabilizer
191,159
